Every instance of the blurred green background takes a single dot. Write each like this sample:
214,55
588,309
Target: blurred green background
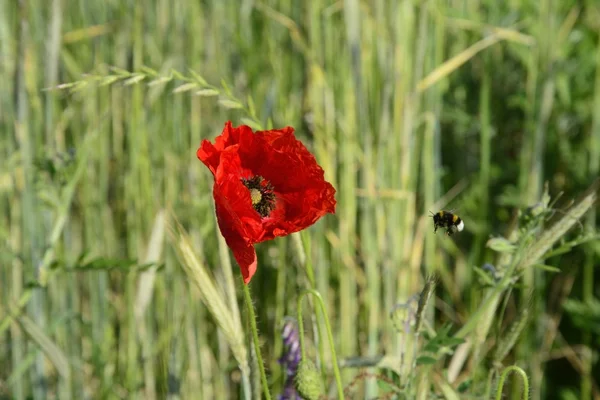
409,106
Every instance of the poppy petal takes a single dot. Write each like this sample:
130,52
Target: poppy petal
232,199
210,154
282,159
298,210
235,228
245,255
302,195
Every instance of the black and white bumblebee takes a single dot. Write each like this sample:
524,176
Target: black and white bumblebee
448,220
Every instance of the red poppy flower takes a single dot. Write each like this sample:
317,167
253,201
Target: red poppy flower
267,184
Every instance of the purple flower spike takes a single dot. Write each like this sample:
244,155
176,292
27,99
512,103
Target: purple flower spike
290,359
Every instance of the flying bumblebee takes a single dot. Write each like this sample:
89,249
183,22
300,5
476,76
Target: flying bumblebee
448,220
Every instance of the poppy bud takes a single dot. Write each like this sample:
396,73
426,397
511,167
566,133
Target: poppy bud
308,381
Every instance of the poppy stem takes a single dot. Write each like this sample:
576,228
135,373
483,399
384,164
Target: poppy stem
304,245
310,272
336,368
252,317
505,372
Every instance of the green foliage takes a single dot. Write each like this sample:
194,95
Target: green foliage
585,316
104,264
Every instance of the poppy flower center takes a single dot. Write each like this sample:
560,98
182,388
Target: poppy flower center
261,194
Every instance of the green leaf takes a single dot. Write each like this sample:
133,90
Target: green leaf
79,85
252,123
452,342
501,245
548,268
178,75
251,108
109,80
226,87
106,264
51,349
485,276
464,386
33,284
432,346
100,263
64,86
120,71
585,315
159,81
385,386
148,71
426,360
185,87
135,79
198,78
231,104
207,92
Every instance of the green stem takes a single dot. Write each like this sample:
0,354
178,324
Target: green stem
252,317
310,273
336,369
492,297
513,368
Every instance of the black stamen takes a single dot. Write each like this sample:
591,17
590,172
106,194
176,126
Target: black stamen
261,192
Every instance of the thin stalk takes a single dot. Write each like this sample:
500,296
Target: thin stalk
336,369
588,281
306,247
513,368
280,305
492,297
229,287
252,317
348,203
32,234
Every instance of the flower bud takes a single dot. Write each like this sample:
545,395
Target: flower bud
308,381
